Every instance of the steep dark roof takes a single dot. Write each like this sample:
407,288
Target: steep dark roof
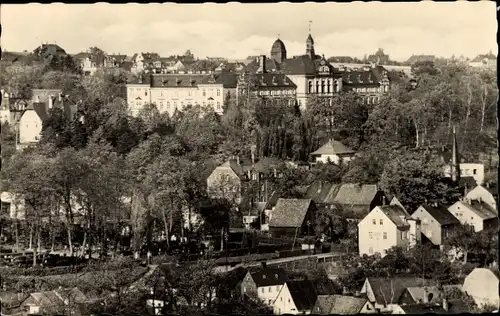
396,214
353,194
303,293
441,215
290,212
274,80
468,181
278,45
268,276
298,65
271,66
333,147
424,309
368,76
233,164
40,109
226,78
339,304
318,191
383,287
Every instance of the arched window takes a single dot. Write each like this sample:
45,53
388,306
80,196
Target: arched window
317,86
322,86
429,297
310,87
328,84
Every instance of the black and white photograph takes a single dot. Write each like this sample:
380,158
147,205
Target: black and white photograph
249,158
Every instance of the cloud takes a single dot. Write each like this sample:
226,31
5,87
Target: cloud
237,30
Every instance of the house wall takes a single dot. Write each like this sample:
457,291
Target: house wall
137,96
284,303
429,226
248,287
466,216
301,82
225,183
475,170
481,193
482,284
334,158
367,289
371,236
30,127
268,294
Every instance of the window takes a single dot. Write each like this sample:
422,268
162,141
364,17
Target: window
277,288
218,105
370,250
262,290
244,289
218,92
310,86
474,171
168,105
270,302
402,235
203,93
161,105
145,92
381,222
374,221
281,299
370,235
384,235
288,300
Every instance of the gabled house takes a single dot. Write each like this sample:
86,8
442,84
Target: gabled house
293,217
226,181
342,305
487,194
426,294
10,302
483,284
263,283
52,302
333,151
296,297
385,227
477,214
356,200
396,202
385,293
435,222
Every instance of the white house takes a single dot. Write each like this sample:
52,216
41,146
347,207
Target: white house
477,214
342,305
484,194
333,151
15,205
482,284
30,123
263,283
467,169
296,297
385,227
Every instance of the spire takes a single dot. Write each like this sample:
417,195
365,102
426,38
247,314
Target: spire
310,44
310,22
455,165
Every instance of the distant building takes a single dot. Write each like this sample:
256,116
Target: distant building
386,227
484,61
298,297
379,57
487,194
293,217
342,305
263,283
335,152
171,92
420,58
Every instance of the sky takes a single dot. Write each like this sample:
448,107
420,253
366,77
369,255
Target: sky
236,30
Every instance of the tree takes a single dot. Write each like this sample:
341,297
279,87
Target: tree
424,67
22,79
463,239
417,178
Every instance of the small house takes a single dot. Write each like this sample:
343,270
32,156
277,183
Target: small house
487,194
482,285
333,151
263,283
475,213
435,222
293,217
342,305
296,297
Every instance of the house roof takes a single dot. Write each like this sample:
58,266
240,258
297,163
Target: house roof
396,214
303,293
468,181
339,304
268,276
441,215
40,109
418,293
319,191
12,298
72,294
271,66
44,94
289,212
226,78
298,65
353,194
333,147
481,209
237,168
271,202
383,287
416,58
431,308
274,80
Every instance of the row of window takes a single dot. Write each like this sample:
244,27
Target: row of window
384,235
176,92
162,105
276,92
321,88
374,222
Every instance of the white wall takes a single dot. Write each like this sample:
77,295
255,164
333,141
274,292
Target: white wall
268,294
475,170
482,285
333,158
466,216
284,303
371,236
30,127
481,193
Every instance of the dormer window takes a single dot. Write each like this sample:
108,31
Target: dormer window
192,81
178,81
274,81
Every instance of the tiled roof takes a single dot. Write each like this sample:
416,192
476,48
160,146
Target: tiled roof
289,212
226,78
298,65
441,215
318,191
333,147
44,94
40,109
271,202
274,80
268,276
418,293
468,181
385,288
271,66
423,309
481,209
338,304
354,194
368,76
396,214
265,164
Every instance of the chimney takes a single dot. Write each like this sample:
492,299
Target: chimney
383,200
37,98
445,304
262,64
51,101
435,204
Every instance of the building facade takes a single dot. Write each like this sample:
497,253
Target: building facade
171,92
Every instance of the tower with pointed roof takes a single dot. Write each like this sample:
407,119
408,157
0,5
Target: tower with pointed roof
278,51
310,44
